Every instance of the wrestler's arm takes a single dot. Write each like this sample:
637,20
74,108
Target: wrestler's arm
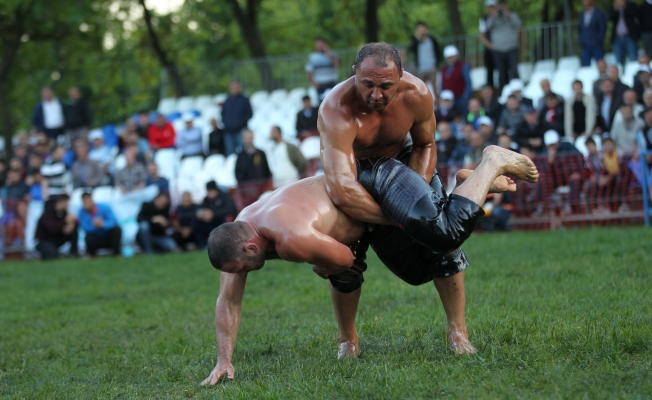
315,248
338,130
227,322
423,158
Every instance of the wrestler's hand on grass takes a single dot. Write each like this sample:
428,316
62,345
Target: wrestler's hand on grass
223,369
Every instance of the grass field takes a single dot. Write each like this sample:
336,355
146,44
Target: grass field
555,314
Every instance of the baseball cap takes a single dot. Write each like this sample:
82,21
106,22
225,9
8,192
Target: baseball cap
484,120
188,117
550,137
447,95
450,51
516,84
489,3
644,68
96,134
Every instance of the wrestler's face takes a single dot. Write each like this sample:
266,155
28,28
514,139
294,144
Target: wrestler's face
248,264
377,84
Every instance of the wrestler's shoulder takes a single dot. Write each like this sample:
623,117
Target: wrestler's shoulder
414,88
339,98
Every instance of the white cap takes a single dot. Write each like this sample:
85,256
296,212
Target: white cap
516,84
450,51
188,117
488,3
484,120
447,95
644,68
96,134
550,137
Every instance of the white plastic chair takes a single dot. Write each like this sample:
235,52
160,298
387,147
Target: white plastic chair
219,98
610,59
277,97
311,148
525,71
258,99
119,163
166,106
202,102
569,64
588,76
103,194
545,66
295,96
166,161
190,166
478,78
184,104
213,163
631,68
562,82
226,175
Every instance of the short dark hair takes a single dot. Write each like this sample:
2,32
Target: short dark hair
306,97
62,197
277,127
605,140
420,23
578,81
86,194
589,141
512,96
226,242
380,51
551,95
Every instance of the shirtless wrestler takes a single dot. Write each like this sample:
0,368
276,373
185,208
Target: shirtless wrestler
297,222
366,123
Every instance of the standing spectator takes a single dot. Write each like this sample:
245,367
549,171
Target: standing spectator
236,113
56,227
189,139
214,210
161,135
216,139
286,160
503,25
490,104
100,152
474,155
512,115
592,29
645,23
642,83
446,112
153,224
55,176
579,113
251,164
529,133
624,32
426,53
455,76
607,104
625,128
185,219
15,194
321,68
602,71
485,37
154,179
48,114
552,114
78,116
133,176
446,143
86,173
307,120
100,225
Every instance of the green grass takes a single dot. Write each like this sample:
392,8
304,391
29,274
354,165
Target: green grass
554,314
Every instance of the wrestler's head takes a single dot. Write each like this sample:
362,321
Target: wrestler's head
377,72
232,248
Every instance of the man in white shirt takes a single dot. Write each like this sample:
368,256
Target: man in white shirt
48,114
189,138
321,68
285,160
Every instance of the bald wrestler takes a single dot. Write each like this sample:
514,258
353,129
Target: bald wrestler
297,222
371,125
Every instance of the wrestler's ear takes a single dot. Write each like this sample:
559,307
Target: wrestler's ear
400,73
251,249
353,69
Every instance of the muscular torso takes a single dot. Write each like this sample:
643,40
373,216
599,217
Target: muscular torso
298,207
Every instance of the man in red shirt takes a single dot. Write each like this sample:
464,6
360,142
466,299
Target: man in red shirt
161,134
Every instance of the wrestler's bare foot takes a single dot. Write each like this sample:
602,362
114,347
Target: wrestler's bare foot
499,185
348,349
511,163
459,342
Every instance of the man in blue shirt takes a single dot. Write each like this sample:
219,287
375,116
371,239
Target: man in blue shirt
236,113
592,28
100,225
189,139
154,179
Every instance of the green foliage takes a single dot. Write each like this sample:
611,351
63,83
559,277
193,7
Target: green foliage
553,315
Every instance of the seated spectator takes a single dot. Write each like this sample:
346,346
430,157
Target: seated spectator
607,103
251,164
446,143
474,155
462,147
216,139
554,145
614,74
86,173
161,135
154,179
133,176
153,225
505,141
475,113
285,160
642,83
100,152
130,128
142,154
624,130
15,194
551,115
529,132
446,112
143,126
647,102
54,173
545,87
455,76
630,99
579,112
78,116
610,157
490,104
100,225
213,211
486,130
602,75
516,85
55,228
189,138
44,146
307,120
34,164
20,152
185,219
647,128
511,116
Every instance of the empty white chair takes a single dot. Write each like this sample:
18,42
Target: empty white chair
610,59
166,161
178,124
190,166
184,104
631,68
214,163
226,175
219,98
166,106
478,77
311,148
277,97
119,163
314,98
587,75
571,64
201,102
525,71
545,66
295,96
562,82
211,112
103,194
258,99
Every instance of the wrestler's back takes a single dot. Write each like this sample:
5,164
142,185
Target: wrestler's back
379,133
304,202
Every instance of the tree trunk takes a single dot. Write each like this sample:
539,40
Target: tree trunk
371,21
248,23
453,8
168,65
